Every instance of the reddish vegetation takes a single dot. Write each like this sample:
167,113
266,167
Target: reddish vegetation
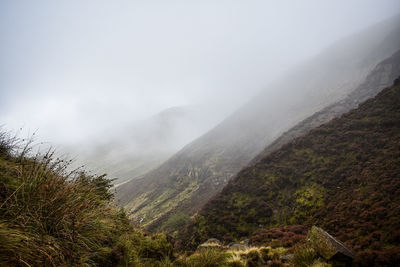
343,176
388,257
284,236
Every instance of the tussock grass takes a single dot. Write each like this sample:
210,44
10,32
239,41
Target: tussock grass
303,256
50,216
235,260
252,256
204,257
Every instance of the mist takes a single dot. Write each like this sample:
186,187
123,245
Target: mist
76,70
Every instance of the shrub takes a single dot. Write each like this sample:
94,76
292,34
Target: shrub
266,254
285,236
234,260
387,257
175,221
303,256
204,257
253,258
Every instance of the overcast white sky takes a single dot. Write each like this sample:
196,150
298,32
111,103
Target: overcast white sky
74,68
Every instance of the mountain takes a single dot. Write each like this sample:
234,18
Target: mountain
164,198
379,78
144,145
343,176
53,217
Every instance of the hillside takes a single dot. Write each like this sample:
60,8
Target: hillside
165,197
141,146
343,176
382,76
52,217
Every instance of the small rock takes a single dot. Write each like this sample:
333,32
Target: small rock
237,246
286,258
211,243
214,241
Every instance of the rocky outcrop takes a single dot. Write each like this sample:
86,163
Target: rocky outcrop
329,247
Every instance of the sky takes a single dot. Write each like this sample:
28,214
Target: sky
71,70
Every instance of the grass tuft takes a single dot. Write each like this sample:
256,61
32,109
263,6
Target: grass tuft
50,216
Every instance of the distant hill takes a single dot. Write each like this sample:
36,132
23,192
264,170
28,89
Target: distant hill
142,146
343,176
164,198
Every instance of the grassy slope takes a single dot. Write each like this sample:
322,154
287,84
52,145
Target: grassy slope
52,218
185,182
343,176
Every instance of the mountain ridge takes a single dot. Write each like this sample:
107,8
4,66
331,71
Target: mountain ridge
385,72
182,184
342,175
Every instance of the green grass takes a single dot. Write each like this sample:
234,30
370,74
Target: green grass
303,256
50,216
204,257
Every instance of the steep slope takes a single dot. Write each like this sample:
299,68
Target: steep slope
143,145
51,217
165,197
343,176
381,77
